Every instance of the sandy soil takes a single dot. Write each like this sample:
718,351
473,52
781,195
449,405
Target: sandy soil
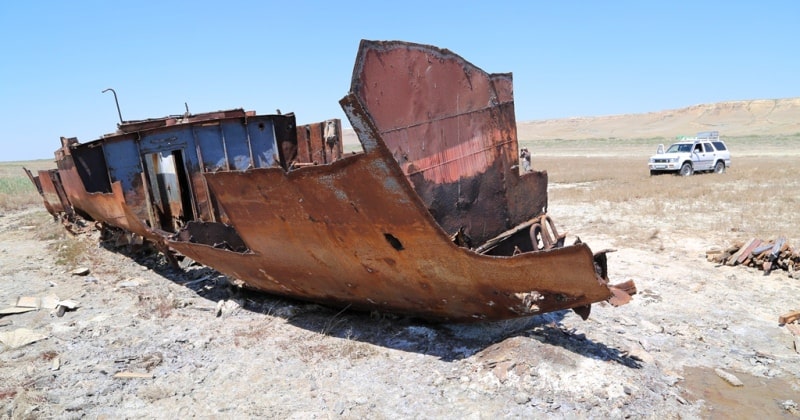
191,344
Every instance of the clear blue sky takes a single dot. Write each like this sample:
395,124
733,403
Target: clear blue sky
569,58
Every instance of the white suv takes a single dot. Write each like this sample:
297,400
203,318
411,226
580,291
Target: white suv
706,152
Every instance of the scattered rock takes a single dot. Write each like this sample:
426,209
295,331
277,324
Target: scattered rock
227,307
639,353
791,407
729,377
80,271
521,398
151,393
186,262
149,361
128,284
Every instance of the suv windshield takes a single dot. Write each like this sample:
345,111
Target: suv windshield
680,148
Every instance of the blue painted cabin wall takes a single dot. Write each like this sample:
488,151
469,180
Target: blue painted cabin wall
234,144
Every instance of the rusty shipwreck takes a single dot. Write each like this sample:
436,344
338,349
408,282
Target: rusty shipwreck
434,218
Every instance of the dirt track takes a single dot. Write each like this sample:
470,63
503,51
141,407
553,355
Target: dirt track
205,348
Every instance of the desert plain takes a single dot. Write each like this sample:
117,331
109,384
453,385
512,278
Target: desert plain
149,341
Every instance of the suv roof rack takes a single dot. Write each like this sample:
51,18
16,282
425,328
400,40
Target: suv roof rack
710,135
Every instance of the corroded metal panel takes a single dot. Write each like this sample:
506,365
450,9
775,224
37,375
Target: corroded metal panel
212,147
240,157
50,192
451,127
319,143
154,123
167,191
318,234
104,207
309,137
124,166
261,132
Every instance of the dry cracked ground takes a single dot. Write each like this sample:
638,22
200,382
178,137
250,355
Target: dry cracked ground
149,341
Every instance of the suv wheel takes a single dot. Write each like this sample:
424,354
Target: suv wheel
686,169
719,167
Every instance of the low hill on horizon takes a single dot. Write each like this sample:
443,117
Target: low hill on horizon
732,118
760,117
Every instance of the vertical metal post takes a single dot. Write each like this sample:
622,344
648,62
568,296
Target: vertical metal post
116,101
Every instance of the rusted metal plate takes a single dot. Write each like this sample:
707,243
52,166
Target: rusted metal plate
319,143
105,207
452,129
371,244
49,196
34,179
152,123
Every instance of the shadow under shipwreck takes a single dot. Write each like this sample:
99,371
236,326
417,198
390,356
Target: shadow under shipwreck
527,340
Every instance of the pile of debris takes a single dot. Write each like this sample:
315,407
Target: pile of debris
764,255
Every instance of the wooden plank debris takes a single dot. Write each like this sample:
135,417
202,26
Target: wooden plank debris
133,375
38,302
20,337
763,255
739,255
789,317
748,249
33,303
15,310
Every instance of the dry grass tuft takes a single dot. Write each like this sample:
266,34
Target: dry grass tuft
351,349
24,401
157,305
70,251
334,323
16,190
48,229
17,193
